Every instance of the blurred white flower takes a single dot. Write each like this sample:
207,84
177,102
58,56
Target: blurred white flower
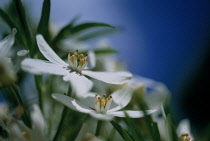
156,95
3,111
6,67
18,131
184,130
7,43
85,135
73,71
103,108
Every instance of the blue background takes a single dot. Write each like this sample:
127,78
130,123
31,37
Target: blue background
162,40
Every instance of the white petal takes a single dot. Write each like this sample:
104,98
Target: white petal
71,103
110,77
89,99
38,125
184,127
101,116
121,98
37,66
91,60
131,114
7,43
22,53
80,84
47,51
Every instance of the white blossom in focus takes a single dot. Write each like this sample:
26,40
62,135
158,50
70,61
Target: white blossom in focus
101,107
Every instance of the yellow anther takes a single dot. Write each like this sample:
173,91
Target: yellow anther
72,58
81,56
70,52
185,134
19,110
102,102
104,95
96,94
107,100
26,136
188,138
82,62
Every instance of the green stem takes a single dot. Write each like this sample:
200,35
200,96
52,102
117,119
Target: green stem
26,116
37,82
64,113
98,128
65,109
112,134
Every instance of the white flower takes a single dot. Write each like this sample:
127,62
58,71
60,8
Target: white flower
3,111
85,135
6,67
103,108
184,131
18,131
76,63
156,96
7,43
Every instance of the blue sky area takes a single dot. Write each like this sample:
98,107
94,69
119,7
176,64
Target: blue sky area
161,40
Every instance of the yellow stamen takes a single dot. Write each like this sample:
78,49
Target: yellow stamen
102,102
26,136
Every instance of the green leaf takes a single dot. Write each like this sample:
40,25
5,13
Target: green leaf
70,29
63,32
171,128
96,34
125,135
105,51
85,26
24,25
12,25
136,132
7,19
156,133
44,21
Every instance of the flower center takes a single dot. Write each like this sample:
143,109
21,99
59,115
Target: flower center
26,136
102,104
185,137
77,62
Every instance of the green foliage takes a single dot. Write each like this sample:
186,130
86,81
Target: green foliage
44,21
125,135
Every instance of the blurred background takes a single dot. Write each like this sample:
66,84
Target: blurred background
167,41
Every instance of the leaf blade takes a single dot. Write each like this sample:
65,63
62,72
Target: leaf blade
125,135
44,20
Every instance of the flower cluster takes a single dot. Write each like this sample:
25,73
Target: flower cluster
54,91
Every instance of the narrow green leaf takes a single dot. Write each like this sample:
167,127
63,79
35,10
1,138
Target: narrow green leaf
12,25
136,131
44,21
96,34
171,128
156,133
22,19
125,135
7,19
105,51
85,26
70,29
63,32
